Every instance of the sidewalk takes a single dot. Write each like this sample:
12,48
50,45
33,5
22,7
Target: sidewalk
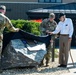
71,66
51,70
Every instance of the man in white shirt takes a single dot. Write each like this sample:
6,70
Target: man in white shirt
65,28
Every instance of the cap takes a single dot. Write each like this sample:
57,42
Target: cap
3,7
51,15
60,15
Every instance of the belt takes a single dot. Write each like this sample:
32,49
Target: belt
64,34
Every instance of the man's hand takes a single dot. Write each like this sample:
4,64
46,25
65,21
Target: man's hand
70,39
49,32
17,29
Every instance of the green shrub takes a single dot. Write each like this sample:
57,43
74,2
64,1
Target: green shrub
28,26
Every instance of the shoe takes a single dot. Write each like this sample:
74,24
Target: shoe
40,65
64,66
47,65
60,65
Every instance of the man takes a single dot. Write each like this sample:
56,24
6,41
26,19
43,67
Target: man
48,25
65,27
4,22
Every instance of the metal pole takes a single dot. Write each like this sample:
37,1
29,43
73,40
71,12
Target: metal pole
53,51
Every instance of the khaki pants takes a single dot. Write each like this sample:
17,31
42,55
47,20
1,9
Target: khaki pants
64,46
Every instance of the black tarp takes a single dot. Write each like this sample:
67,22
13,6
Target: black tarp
26,35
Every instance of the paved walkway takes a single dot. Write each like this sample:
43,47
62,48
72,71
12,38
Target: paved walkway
51,70
71,64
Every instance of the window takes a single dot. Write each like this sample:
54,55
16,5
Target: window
47,0
58,1
41,0
53,1
50,1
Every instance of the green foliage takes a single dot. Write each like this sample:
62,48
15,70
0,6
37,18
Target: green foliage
56,53
28,26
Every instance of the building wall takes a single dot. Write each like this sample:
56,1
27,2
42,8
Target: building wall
68,1
63,1
20,0
19,10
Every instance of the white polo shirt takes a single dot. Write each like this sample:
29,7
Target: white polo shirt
65,27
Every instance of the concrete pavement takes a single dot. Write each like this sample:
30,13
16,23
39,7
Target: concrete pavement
71,63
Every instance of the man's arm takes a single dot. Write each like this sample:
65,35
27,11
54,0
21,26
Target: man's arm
10,26
55,25
71,29
42,27
57,30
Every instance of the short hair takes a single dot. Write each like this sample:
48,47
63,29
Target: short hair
51,15
60,15
2,7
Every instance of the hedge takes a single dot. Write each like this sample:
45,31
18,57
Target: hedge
28,26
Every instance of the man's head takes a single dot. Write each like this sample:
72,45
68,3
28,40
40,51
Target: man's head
51,16
62,17
2,9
